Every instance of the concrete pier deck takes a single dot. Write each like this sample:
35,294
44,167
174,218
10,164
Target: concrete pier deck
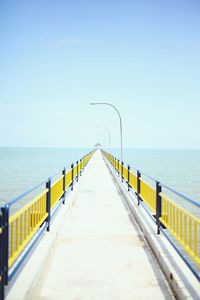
94,250
99,253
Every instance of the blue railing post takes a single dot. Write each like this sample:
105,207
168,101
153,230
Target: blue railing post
48,203
158,205
5,214
128,167
64,180
1,258
138,186
122,170
72,183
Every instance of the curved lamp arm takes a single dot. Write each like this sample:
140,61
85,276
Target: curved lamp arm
120,120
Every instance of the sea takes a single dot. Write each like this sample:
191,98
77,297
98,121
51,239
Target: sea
176,169
23,168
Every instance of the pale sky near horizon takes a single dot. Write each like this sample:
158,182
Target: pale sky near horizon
141,55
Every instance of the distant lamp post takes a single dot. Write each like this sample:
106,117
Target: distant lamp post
120,121
108,132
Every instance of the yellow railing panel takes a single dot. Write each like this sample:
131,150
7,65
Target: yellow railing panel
26,221
125,173
79,167
68,178
109,157
56,191
184,226
133,181
117,166
75,171
87,157
120,168
24,224
148,195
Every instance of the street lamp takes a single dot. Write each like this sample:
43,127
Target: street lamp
107,130
120,120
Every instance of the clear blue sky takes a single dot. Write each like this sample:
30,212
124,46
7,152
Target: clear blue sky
57,56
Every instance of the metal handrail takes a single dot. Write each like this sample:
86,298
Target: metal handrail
194,202
167,212
19,230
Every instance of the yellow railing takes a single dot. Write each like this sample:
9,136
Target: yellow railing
68,178
75,171
56,191
24,223
148,195
108,156
80,165
125,173
184,226
133,181
119,168
78,168
87,158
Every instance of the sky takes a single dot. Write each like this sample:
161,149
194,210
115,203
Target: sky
143,56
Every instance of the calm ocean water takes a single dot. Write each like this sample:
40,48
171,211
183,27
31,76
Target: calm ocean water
179,169
22,168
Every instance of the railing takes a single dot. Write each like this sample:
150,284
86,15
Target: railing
181,227
182,224
20,231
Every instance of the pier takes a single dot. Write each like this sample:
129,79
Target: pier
96,242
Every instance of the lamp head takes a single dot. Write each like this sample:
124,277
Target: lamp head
96,103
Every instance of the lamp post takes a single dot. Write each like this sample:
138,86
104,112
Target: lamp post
107,130
120,120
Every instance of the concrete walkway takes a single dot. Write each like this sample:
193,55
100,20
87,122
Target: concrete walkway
99,252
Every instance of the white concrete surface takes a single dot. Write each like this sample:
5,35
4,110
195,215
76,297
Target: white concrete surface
24,281
182,281
97,252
